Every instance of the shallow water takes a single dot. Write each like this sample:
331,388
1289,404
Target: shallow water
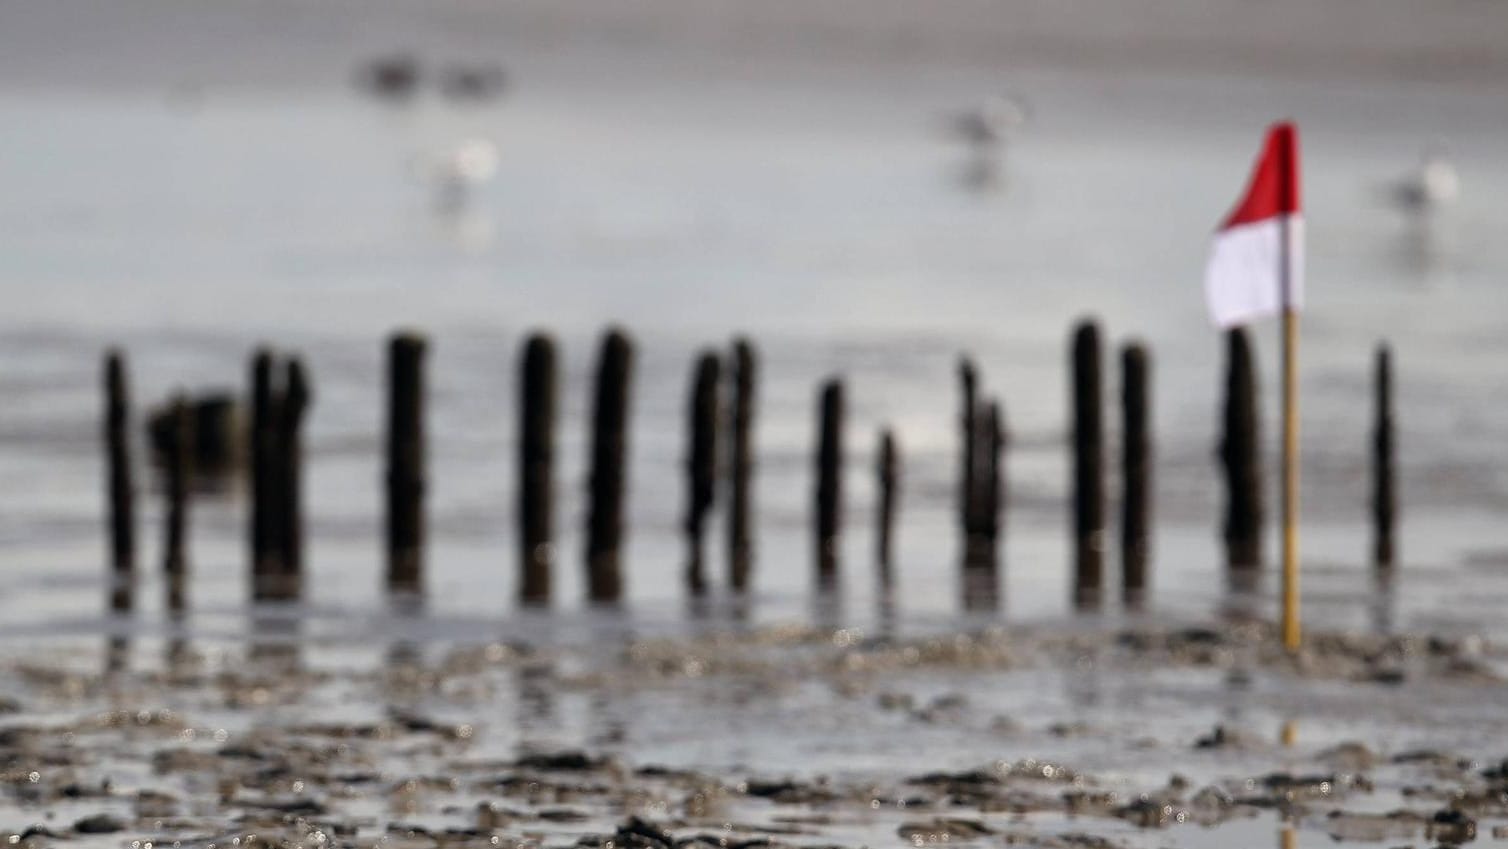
816,210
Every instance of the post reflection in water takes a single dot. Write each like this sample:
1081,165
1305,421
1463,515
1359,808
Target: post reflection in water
1082,685
827,607
1243,594
699,607
1384,602
404,660
981,576
276,639
885,613
117,654
1237,683
122,602
740,607
178,653
608,726
535,685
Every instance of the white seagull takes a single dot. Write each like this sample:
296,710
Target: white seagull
989,123
459,171
1433,184
985,129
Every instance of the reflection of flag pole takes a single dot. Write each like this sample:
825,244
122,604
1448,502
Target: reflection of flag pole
1256,270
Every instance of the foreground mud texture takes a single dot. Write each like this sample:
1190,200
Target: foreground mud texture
765,738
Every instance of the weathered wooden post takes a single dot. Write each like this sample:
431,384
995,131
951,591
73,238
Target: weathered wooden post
887,472
989,476
261,442
216,436
701,463
981,556
121,489
289,523
741,466
829,491
175,479
536,459
1384,496
609,454
968,507
1136,472
405,464
1088,466
1239,454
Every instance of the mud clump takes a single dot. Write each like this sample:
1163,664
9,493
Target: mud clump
943,829
99,824
789,792
1229,738
1451,826
570,761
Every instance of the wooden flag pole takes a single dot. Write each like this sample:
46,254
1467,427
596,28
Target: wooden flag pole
1240,289
1291,629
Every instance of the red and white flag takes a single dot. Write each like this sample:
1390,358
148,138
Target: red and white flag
1256,265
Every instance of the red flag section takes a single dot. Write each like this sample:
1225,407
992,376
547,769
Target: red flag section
1256,264
1274,188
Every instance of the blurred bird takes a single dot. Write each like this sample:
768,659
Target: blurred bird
458,172
985,129
477,82
1433,184
989,123
394,77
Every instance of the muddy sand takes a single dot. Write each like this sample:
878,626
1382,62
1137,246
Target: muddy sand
1136,736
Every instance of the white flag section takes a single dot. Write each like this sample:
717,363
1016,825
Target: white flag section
1244,280
1256,264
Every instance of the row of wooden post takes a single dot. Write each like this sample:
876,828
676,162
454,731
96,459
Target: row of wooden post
1240,458
607,482
1090,535
719,451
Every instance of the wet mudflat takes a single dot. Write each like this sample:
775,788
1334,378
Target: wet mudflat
1082,736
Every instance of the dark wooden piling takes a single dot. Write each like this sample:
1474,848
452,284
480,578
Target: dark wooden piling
609,457
990,472
1384,496
968,507
217,436
829,490
216,451
288,521
536,460
887,473
1088,466
1240,450
701,463
741,466
1136,472
405,464
981,549
176,489
261,443
121,490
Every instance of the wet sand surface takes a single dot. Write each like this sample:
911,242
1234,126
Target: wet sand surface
1078,735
